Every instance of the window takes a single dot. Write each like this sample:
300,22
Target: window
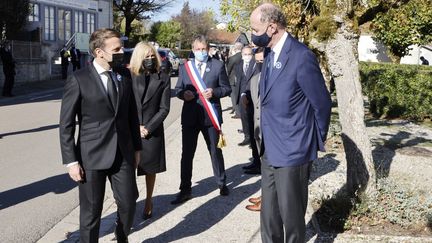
79,21
34,12
64,24
90,23
49,23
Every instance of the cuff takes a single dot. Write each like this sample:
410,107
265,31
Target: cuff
71,164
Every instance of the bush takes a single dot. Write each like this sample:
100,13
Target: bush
398,90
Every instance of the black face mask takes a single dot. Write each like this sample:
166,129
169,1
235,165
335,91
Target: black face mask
258,66
150,64
261,40
117,60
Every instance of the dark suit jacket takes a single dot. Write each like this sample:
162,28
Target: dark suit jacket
243,80
215,77
295,107
153,108
231,64
102,128
77,57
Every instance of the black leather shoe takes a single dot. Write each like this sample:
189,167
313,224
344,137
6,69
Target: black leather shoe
181,198
224,191
249,166
253,171
244,142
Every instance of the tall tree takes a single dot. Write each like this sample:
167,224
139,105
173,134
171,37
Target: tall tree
169,33
132,10
13,16
331,28
194,23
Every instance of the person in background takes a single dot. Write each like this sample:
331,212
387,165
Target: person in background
75,55
232,62
8,69
253,90
151,87
64,55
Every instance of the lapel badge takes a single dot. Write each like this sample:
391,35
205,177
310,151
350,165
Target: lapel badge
278,65
119,77
207,70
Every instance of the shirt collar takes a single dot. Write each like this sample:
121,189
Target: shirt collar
278,47
99,69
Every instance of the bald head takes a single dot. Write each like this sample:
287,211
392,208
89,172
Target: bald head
268,25
269,13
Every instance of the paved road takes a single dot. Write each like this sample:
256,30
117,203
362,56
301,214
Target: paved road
35,191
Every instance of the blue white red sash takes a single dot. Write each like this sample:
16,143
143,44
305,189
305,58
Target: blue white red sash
200,86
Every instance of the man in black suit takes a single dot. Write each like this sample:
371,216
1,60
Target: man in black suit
195,119
64,57
231,64
108,144
75,58
245,71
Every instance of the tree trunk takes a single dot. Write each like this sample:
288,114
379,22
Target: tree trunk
128,25
343,65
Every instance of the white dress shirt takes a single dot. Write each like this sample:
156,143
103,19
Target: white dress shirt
277,49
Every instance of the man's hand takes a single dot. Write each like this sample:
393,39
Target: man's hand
76,172
244,101
137,158
144,132
188,95
208,93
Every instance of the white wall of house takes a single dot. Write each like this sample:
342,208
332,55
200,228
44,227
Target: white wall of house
372,51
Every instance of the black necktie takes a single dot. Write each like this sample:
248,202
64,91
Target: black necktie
112,89
199,68
246,68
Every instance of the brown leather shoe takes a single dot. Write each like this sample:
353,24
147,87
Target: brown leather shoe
254,207
255,200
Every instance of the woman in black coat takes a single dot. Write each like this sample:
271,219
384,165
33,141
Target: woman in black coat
152,95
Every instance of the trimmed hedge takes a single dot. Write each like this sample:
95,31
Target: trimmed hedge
395,90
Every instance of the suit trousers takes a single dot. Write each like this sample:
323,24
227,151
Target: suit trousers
235,106
189,144
244,120
248,116
8,84
284,202
91,195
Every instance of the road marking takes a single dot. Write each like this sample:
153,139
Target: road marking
40,97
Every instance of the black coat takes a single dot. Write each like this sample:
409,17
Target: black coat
102,128
231,64
243,80
153,107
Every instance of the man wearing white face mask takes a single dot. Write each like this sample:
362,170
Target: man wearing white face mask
201,83
245,71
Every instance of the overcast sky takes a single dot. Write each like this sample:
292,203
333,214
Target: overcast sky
193,4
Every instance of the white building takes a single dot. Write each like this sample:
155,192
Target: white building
371,51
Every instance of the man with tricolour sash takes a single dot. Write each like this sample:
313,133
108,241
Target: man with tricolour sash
202,81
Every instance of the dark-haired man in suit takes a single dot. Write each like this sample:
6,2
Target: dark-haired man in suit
100,96
195,119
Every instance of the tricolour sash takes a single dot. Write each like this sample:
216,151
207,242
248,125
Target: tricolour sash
200,86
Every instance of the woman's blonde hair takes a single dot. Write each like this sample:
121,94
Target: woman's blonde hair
140,52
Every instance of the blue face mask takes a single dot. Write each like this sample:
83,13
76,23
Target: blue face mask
261,40
201,56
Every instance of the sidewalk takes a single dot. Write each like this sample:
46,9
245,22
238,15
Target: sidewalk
209,217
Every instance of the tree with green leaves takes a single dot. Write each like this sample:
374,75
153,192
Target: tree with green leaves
13,16
168,34
331,29
138,10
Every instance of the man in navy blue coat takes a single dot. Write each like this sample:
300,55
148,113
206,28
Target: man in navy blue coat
295,116
194,118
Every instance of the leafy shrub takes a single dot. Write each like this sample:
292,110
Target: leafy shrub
398,90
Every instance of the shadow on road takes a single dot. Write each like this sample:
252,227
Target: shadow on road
44,128
56,184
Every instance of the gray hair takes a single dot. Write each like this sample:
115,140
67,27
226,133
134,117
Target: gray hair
272,13
238,46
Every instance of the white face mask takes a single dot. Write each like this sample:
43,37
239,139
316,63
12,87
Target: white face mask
247,58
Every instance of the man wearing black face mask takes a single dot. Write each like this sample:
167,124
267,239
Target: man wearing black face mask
108,145
295,116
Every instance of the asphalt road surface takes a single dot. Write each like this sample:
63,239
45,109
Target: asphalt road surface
35,190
